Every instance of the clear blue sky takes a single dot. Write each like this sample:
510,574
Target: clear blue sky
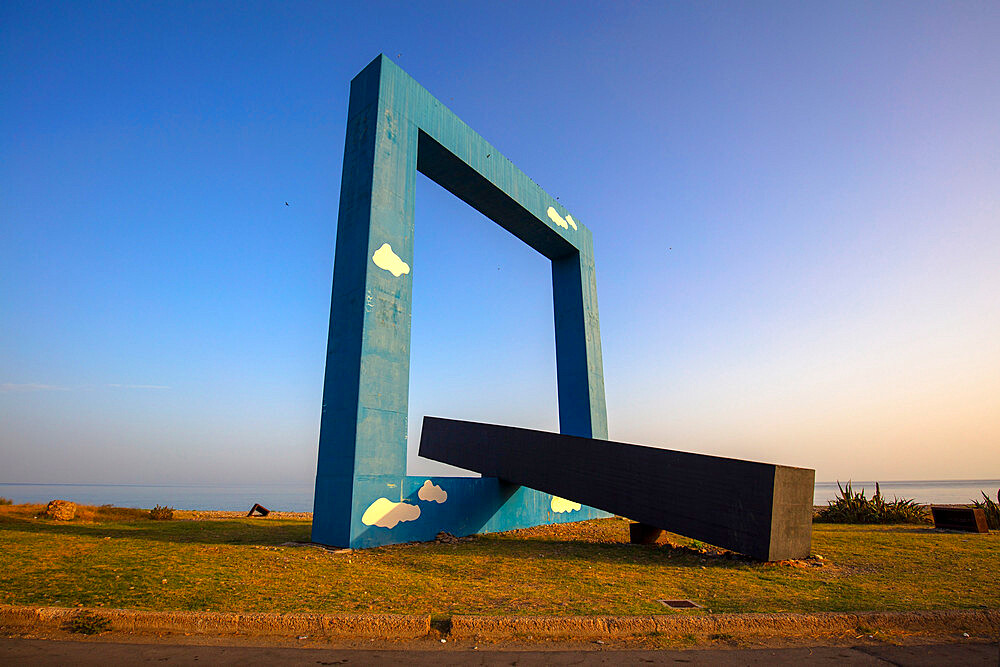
795,208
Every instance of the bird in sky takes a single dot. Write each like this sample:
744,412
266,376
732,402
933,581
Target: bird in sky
286,203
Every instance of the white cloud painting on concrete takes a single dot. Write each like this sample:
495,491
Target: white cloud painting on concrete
386,514
556,218
562,505
432,492
565,223
385,258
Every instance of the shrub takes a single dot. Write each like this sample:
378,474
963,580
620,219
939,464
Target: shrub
991,509
161,513
851,507
6,501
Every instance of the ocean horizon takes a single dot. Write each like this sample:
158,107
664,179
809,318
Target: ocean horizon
298,497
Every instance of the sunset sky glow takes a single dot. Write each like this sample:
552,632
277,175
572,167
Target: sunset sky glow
795,209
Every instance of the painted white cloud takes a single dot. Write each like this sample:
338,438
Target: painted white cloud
386,514
432,492
562,505
565,223
556,218
385,258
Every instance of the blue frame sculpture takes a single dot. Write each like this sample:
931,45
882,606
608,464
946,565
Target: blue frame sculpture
363,495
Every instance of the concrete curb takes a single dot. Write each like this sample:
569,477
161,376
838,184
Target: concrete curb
746,626
393,626
375,626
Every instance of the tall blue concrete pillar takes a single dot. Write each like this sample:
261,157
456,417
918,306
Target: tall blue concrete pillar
367,368
363,495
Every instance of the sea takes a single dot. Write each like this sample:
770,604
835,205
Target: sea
299,497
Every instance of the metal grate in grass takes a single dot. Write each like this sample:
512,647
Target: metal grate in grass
680,604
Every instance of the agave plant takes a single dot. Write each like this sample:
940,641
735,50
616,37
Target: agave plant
853,507
991,509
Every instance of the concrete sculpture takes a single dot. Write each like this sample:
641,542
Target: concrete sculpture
363,496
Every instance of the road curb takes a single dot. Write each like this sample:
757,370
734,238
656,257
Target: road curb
978,623
374,626
737,626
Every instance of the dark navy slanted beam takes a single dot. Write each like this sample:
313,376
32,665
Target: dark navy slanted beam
758,509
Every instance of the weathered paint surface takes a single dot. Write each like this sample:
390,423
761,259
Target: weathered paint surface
394,129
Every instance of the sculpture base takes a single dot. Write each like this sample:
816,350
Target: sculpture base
640,533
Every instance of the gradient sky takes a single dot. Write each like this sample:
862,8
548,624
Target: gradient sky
795,209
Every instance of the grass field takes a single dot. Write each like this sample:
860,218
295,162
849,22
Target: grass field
117,559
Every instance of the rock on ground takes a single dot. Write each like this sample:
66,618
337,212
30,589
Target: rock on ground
61,510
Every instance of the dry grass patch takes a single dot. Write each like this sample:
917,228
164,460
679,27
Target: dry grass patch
238,564
84,513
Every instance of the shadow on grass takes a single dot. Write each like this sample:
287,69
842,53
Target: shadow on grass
919,528
926,529
574,552
235,531
273,533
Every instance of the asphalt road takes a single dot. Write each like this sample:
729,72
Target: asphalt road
50,652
